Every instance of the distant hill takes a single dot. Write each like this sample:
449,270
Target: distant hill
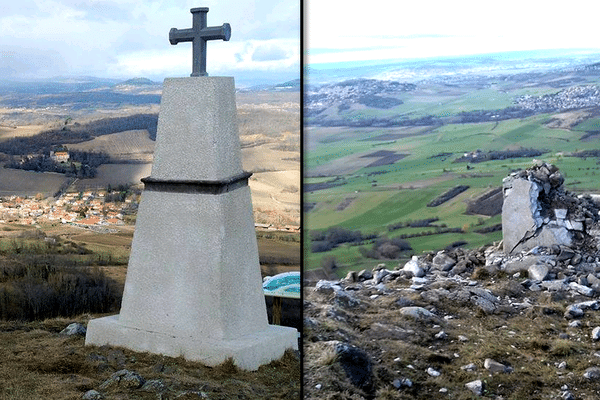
293,84
138,82
55,85
289,86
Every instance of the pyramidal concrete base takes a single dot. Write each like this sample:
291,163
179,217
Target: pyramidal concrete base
248,352
193,285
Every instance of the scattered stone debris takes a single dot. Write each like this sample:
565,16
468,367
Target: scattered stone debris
414,327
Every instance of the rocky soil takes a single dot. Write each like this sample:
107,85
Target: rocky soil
48,360
464,324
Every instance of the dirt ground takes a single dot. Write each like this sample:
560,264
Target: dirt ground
39,363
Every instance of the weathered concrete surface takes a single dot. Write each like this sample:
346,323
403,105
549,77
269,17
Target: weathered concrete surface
197,137
520,212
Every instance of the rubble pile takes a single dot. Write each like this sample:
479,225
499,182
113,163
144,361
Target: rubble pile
537,211
428,327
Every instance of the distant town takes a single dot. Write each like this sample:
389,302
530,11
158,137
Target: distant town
86,209
101,211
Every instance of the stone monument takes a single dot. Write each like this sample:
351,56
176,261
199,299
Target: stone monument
193,285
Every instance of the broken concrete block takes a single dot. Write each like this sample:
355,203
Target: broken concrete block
520,212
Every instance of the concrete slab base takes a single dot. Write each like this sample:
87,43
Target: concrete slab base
248,352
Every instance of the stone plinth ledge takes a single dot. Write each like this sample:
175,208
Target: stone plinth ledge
248,352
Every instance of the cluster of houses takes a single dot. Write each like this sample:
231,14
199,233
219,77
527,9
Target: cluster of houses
87,209
84,209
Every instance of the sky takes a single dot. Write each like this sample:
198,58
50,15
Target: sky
123,39
379,30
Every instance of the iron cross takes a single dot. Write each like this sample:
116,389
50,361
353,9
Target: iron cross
198,34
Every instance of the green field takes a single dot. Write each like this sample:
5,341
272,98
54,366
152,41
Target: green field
371,198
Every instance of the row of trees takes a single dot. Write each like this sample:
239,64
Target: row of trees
334,236
420,223
382,247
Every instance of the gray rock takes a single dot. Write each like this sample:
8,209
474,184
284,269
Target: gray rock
469,367
534,287
596,333
92,395
400,383
345,299
573,312
404,302
186,394
116,358
433,372
538,272
519,264
418,313
593,281
364,275
443,262
494,366
435,295
555,285
441,335
123,378
584,290
379,275
153,385
74,329
414,267
475,386
566,395
327,287
484,304
591,304
484,293
592,373
560,213
562,365
357,365
351,277
575,324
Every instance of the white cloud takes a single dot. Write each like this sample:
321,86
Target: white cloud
130,37
221,56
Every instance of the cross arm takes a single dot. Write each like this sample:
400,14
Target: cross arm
181,35
217,32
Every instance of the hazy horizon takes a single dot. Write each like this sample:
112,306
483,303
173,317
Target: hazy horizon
378,33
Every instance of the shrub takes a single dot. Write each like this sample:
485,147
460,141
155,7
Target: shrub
40,292
386,248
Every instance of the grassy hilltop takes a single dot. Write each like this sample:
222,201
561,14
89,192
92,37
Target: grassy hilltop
374,167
